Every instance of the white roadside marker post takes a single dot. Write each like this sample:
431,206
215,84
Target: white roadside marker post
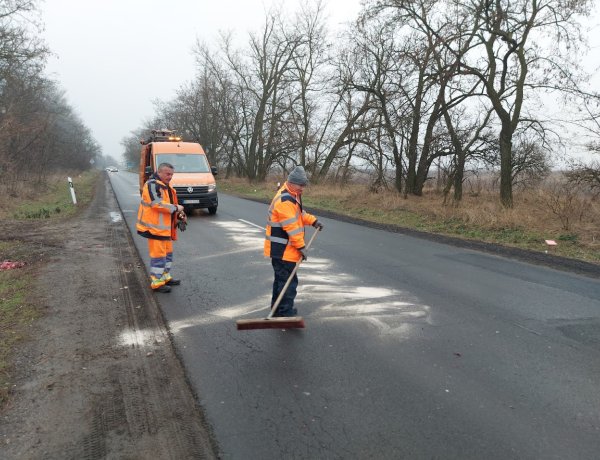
72,190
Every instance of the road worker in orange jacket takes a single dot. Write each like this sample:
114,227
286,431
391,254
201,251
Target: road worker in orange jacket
158,214
284,240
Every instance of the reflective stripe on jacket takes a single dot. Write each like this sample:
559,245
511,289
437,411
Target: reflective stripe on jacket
285,227
157,209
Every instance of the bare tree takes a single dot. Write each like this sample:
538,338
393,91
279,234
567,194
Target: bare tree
506,52
308,60
42,133
231,109
264,79
531,164
196,115
376,66
131,145
423,76
347,125
565,202
585,174
516,61
471,141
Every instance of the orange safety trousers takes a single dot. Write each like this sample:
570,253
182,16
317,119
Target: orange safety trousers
161,258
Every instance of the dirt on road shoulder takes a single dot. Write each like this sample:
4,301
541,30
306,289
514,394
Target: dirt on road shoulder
99,377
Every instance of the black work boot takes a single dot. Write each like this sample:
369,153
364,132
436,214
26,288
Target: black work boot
174,282
164,288
287,313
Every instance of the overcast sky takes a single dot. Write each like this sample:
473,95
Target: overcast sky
113,57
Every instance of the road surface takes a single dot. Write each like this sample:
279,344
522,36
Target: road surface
412,349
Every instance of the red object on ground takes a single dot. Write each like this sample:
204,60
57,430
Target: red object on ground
8,265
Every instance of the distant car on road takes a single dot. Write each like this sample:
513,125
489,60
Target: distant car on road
112,169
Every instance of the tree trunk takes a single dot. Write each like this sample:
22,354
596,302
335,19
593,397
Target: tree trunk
256,142
391,132
506,196
459,175
459,159
411,174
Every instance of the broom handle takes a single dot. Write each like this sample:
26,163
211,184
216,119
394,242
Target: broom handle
287,283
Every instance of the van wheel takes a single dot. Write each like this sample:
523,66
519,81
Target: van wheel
212,210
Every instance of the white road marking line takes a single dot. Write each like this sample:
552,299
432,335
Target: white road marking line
250,223
221,254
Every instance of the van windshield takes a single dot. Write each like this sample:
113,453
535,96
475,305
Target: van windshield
184,162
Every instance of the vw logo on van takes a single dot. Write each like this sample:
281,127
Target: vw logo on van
190,189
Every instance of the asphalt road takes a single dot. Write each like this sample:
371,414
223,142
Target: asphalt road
412,349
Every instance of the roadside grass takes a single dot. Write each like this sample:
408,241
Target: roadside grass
479,216
54,198
18,309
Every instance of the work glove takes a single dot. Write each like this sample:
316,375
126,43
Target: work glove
182,221
303,253
318,225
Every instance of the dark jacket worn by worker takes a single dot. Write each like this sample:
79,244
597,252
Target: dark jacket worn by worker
285,227
157,211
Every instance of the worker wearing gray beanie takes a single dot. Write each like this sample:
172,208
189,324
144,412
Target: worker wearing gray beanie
298,176
284,239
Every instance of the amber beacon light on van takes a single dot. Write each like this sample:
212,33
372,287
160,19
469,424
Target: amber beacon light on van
161,135
194,177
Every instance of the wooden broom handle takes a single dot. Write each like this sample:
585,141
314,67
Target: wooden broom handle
289,280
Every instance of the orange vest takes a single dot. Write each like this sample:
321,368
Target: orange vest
156,214
285,227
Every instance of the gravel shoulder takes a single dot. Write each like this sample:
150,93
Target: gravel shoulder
99,377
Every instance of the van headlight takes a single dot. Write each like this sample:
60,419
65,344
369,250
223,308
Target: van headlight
212,187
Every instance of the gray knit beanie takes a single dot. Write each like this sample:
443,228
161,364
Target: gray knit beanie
298,176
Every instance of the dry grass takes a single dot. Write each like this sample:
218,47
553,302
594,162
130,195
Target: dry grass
572,219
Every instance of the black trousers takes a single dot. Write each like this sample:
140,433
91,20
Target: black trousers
282,270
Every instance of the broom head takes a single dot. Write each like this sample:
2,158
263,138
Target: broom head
279,322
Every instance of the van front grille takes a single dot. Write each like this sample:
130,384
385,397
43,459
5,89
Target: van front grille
191,190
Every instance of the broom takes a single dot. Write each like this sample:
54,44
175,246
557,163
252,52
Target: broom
270,322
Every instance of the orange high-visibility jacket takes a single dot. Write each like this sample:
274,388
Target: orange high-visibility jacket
156,214
285,227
